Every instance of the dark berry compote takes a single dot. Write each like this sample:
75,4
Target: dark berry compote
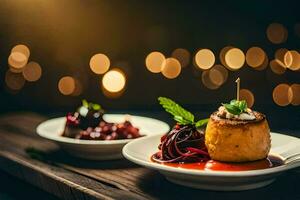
87,123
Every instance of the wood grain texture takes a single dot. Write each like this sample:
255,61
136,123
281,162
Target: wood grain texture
71,178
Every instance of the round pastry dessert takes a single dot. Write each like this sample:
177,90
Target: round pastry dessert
235,133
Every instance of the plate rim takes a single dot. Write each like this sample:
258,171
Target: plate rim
168,169
67,140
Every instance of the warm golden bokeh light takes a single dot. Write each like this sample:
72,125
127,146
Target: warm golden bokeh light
14,81
66,85
277,33
279,56
282,94
255,57
223,53
276,67
78,88
295,88
215,77
99,63
32,71
21,49
205,59
280,53
114,80
234,59
154,61
112,95
292,60
264,65
218,75
183,56
207,82
248,96
171,68
17,60
15,70
288,59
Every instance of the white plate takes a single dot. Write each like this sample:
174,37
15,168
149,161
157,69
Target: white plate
282,145
96,149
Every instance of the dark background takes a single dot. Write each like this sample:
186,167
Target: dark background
63,35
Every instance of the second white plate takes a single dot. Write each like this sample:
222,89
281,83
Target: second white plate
98,149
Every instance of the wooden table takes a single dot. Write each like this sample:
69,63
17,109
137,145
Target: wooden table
39,162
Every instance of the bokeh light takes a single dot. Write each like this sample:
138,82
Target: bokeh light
99,63
32,71
154,62
248,96
205,59
276,67
207,81
171,68
114,81
279,56
112,95
66,85
234,59
15,70
78,88
223,53
183,56
295,88
292,60
255,57
264,65
21,48
277,33
282,94
14,81
17,60
218,75
288,59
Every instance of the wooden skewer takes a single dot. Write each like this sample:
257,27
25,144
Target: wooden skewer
238,81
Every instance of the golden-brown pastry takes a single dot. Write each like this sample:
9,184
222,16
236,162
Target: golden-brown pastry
237,138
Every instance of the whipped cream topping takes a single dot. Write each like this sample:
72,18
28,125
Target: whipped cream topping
247,115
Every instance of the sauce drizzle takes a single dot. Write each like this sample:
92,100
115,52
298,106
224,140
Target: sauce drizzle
213,165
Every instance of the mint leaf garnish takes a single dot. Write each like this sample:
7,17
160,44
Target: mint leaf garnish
85,103
236,107
232,109
181,115
201,122
96,106
89,105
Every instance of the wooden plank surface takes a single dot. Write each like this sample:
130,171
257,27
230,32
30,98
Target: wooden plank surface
41,163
